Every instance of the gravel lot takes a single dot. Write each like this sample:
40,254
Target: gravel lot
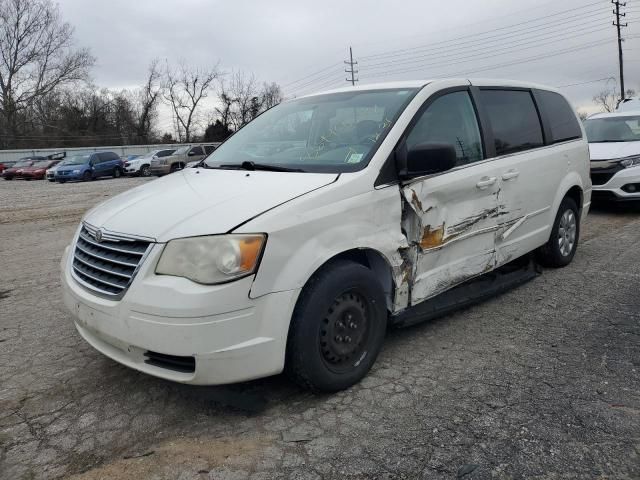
541,382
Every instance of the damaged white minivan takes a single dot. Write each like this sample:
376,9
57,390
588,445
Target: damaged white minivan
322,222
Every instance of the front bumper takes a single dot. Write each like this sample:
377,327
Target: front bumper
613,189
231,337
70,176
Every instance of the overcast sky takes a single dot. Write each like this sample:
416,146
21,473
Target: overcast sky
301,44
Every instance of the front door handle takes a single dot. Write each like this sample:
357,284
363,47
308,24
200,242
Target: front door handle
510,175
486,182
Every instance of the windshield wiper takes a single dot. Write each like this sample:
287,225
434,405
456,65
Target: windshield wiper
249,165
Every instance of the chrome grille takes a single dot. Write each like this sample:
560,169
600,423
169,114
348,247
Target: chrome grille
107,266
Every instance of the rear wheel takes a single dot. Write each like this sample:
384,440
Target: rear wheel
176,166
562,245
337,329
8,178
145,171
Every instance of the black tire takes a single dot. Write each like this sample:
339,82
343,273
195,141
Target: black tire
176,166
324,352
61,181
555,253
117,173
145,171
8,178
86,176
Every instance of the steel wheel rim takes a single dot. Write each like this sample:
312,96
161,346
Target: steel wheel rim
344,332
567,231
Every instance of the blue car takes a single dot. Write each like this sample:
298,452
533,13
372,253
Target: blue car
89,166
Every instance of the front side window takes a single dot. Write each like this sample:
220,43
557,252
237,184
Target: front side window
450,119
196,151
613,129
514,120
562,121
78,160
165,153
336,132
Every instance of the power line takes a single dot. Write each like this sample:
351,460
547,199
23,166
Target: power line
472,53
600,42
585,83
311,75
401,51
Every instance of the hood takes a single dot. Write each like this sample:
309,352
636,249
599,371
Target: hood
613,150
196,202
64,168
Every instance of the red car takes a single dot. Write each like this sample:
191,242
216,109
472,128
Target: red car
6,165
16,170
38,170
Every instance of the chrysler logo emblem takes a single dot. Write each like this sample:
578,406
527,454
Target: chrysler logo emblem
98,235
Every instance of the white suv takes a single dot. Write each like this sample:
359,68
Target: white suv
142,165
323,221
614,144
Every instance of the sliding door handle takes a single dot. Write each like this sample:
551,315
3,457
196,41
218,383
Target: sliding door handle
510,175
486,182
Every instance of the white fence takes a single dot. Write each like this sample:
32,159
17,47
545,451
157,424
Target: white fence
122,150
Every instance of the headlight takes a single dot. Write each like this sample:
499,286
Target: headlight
212,259
630,161
76,171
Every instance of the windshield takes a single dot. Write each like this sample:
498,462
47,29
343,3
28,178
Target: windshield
42,164
78,160
335,132
23,163
613,129
182,150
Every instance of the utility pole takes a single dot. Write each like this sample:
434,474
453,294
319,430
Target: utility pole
619,26
351,70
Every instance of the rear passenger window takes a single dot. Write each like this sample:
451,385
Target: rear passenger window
514,120
165,153
209,148
450,119
196,151
557,111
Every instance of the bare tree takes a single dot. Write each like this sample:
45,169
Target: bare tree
244,92
271,95
607,99
148,98
184,88
36,56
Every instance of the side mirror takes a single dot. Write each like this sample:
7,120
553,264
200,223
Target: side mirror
429,158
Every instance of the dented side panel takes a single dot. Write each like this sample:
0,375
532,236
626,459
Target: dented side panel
450,225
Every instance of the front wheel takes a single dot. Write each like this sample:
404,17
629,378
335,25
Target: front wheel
337,329
145,171
86,176
116,173
562,245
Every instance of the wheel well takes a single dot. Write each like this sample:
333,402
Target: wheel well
575,193
373,260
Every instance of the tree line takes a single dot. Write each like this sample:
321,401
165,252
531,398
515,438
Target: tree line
47,98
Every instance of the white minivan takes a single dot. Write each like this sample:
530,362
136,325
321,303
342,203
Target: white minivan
322,222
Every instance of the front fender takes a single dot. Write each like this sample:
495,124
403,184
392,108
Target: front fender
319,230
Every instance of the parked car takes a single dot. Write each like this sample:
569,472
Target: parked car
5,165
89,167
179,159
16,170
142,164
614,144
323,221
630,104
38,170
